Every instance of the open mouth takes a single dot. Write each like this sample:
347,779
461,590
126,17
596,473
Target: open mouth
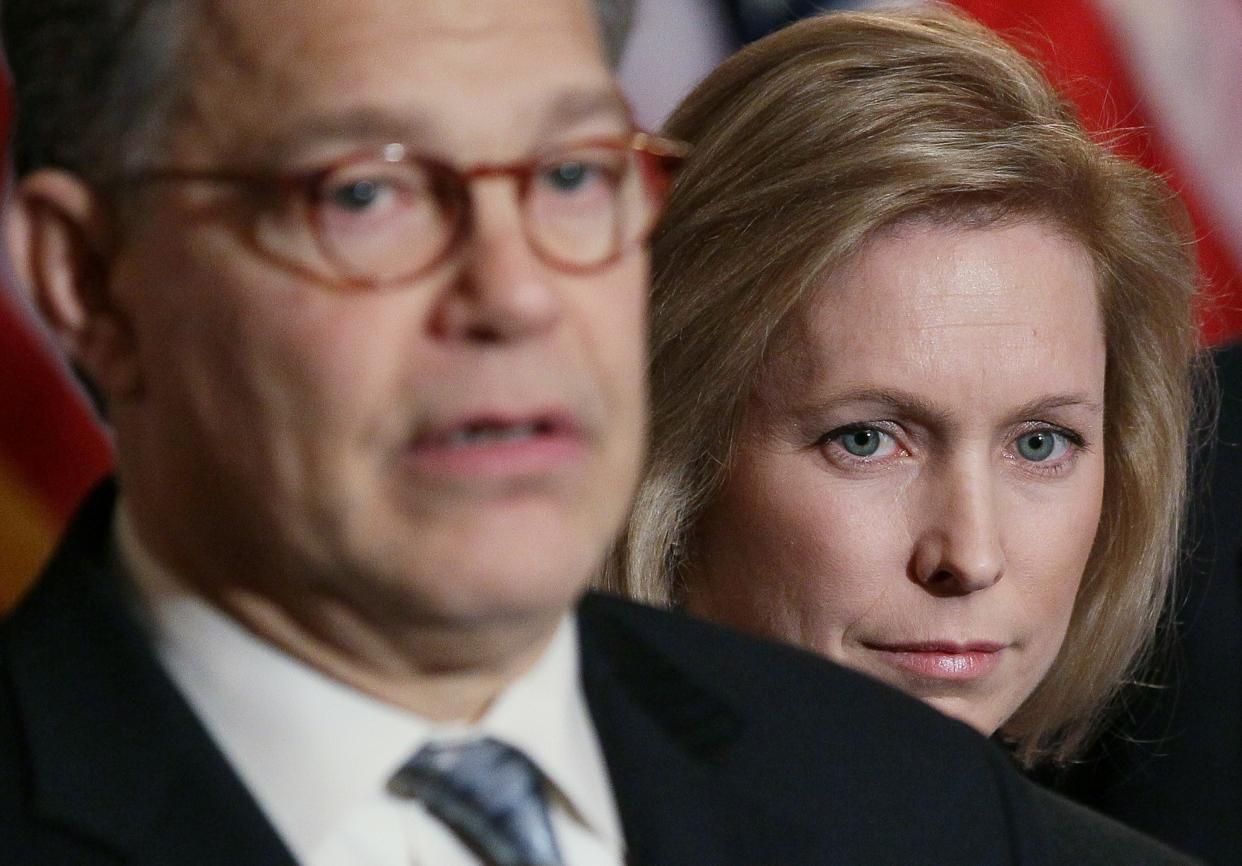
494,432
492,445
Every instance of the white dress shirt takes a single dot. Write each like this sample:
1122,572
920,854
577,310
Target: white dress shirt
317,754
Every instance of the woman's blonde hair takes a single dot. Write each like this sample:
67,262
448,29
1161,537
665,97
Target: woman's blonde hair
808,143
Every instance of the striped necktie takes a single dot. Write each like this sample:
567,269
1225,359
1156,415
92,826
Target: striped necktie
489,794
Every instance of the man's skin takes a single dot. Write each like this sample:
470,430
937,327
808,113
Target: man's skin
281,441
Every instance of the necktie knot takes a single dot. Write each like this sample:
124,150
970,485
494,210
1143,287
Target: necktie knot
489,794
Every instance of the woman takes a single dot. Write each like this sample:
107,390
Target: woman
922,355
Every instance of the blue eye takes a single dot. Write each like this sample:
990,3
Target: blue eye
568,176
862,442
858,442
372,189
356,196
1041,445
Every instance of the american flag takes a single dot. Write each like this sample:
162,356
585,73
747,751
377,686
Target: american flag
51,448
1168,76
1171,75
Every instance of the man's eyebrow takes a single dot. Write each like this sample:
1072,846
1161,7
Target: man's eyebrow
356,123
375,125
572,107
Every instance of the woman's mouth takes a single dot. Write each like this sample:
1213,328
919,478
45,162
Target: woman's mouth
942,660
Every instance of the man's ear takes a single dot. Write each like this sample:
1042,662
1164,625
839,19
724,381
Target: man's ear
60,236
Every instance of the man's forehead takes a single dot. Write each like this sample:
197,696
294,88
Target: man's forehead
262,27
427,68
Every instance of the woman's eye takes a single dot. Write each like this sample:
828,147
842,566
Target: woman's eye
1039,446
863,442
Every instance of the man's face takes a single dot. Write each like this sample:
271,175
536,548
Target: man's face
458,447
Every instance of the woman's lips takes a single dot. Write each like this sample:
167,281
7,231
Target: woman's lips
942,660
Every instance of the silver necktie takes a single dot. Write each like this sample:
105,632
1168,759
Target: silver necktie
489,794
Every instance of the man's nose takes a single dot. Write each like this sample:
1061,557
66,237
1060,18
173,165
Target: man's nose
502,291
960,550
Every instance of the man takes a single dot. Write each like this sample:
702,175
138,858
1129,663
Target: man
362,286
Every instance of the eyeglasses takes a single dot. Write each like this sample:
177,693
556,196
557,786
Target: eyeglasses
379,218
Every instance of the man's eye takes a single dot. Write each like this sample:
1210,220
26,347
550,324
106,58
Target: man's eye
359,195
372,190
569,177
576,176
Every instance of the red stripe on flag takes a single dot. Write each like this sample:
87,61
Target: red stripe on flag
1081,55
51,449
47,435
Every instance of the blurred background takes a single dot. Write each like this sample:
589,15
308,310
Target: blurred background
1168,73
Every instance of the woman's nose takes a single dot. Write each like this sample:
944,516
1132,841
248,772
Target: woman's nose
960,550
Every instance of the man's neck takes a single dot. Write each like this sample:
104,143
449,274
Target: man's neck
438,670
440,673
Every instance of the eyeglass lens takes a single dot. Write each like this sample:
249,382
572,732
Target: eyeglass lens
375,219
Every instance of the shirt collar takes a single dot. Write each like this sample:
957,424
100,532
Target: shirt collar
545,715
311,749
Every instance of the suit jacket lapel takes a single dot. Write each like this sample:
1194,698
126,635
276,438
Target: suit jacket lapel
667,740
116,754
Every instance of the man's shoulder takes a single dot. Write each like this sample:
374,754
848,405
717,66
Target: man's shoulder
792,735
754,672
99,753
1079,835
820,735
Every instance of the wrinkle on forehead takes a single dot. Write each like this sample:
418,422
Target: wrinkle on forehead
258,69
918,291
960,284
276,35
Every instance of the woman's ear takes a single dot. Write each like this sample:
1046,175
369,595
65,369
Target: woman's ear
60,238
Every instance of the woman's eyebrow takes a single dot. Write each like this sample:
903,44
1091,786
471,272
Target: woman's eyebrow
904,404
891,400
1052,402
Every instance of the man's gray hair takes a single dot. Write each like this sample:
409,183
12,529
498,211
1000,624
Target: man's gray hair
95,79
91,79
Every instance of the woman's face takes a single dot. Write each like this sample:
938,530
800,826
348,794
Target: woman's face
919,478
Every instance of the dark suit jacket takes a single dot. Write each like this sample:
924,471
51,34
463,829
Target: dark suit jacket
1172,765
722,750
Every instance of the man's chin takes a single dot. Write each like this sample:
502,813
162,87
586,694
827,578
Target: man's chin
496,582
501,590
473,563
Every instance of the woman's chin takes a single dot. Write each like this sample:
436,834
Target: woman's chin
976,713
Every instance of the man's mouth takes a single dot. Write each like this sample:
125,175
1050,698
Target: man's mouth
487,433
493,445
